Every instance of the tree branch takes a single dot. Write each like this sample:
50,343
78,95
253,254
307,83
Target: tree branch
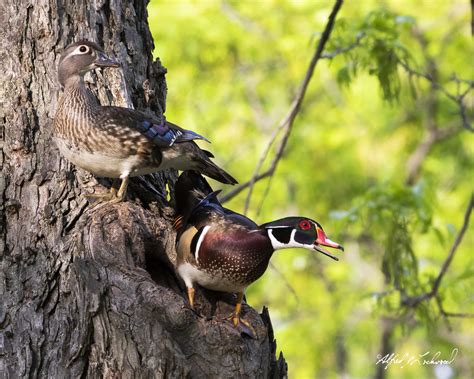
446,314
459,315
417,158
433,133
287,122
453,250
386,344
458,98
413,301
344,49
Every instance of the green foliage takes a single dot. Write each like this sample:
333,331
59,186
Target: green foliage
395,214
373,46
392,211
233,69
399,264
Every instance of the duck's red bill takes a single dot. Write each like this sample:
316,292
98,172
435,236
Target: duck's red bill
323,240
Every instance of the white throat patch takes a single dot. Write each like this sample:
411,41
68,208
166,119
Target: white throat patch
279,245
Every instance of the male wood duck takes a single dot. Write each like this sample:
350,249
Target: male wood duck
118,142
225,251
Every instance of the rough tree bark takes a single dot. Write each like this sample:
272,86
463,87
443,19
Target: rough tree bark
90,291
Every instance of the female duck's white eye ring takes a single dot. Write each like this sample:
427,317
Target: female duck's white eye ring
83,49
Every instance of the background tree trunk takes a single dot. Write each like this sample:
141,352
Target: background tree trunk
91,291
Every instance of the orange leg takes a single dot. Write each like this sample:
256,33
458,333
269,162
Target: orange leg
238,307
238,322
191,297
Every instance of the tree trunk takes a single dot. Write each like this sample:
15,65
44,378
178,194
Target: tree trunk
91,291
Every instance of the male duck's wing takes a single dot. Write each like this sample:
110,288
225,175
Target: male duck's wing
230,216
209,208
239,219
162,134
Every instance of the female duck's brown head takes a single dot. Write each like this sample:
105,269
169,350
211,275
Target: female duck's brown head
81,57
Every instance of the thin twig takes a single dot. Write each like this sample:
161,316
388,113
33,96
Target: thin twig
458,98
433,133
446,314
344,49
411,71
416,159
456,243
245,22
460,315
286,282
243,186
287,122
443,313
431,106
415,300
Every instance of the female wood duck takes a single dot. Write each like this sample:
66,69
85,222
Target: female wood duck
118,142
225,251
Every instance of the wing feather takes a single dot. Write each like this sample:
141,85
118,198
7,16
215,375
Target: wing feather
162,134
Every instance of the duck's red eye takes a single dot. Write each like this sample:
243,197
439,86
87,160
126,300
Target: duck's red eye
305,224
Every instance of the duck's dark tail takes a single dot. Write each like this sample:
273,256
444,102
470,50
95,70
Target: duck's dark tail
190,189
194,158
209,168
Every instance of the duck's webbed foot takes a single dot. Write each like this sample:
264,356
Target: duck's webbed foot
243,326
113,196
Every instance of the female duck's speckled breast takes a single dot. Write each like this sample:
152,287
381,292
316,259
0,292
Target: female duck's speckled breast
99,149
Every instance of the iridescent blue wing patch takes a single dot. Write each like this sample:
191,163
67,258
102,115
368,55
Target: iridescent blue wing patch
166,134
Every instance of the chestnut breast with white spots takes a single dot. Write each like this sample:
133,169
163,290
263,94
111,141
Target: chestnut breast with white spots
233,259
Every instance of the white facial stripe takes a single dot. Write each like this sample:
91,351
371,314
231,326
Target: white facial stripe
291,243
275,243
292,238
199,242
